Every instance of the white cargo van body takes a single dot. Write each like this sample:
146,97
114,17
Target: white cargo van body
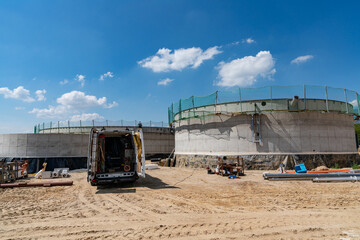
115,156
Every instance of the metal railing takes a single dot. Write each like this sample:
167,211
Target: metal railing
54,127
268,93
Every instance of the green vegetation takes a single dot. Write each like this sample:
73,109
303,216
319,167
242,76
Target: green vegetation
355,166
336,166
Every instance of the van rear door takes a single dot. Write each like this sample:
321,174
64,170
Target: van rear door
91,161
140,153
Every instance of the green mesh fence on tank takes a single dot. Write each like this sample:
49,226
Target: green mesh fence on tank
205,100
263,93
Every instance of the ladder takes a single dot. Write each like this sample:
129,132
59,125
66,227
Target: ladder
256,123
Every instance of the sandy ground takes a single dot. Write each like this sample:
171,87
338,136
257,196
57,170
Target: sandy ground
178,203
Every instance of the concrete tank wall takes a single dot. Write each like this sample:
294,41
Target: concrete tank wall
157,141
281,133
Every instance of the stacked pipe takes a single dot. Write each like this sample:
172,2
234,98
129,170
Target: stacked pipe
315,177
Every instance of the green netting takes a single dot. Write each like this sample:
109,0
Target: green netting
200,107
205,100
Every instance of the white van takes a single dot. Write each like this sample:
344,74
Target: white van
115,156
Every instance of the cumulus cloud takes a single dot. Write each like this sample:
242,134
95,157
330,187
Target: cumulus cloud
245,71
248,40
166,60
80,78
86,117
64,82
106,75
70,103
165,81
40,95
18,93
302,59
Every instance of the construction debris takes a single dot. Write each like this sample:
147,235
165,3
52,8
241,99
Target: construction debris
10,171
151,166
58,172
36,184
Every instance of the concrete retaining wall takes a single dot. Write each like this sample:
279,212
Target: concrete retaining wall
51,145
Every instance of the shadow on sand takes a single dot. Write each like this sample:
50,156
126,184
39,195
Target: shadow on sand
147,182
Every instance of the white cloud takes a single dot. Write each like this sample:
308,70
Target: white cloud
234,43
40,95
18,93
302,59
165,60
64,82
70,103
245,71
248,40
19,108
106,75
80,78
86,117
165,81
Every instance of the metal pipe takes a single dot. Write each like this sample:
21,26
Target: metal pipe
36,184
308,175
340,179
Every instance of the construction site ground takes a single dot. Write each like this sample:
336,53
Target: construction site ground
182,203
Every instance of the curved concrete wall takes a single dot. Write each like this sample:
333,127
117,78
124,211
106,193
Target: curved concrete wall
281,133
48,145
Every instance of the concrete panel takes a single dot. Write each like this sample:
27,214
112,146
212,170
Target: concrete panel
281,133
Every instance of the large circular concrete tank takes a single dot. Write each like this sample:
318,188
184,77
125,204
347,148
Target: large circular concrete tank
267,126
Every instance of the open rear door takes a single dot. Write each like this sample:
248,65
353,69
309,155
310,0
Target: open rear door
140,154
91,161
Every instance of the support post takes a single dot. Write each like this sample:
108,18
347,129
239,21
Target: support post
346,102
43,127
358,103
50,126
216,98
271,99
58,127
304,97
107,123
69,125
240,100
80,127
93,122
193,105
327,99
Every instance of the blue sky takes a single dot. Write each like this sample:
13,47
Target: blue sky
151,53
